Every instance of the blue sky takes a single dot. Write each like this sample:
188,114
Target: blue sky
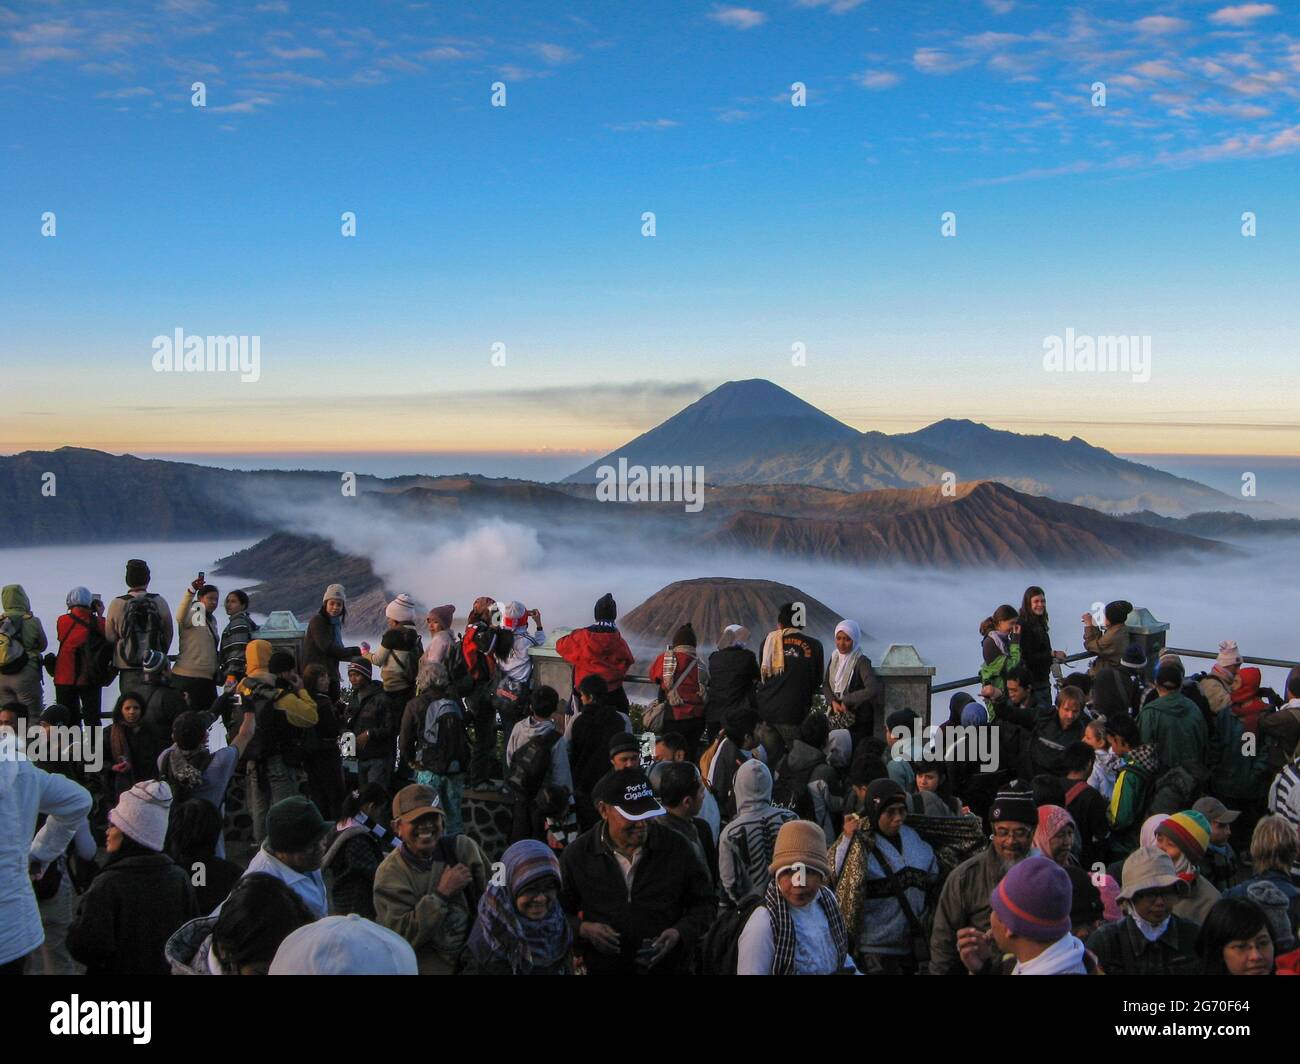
521,225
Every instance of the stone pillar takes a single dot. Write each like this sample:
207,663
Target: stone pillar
907,681
551,669
1150,633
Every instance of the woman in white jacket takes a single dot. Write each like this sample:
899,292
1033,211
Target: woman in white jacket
25,792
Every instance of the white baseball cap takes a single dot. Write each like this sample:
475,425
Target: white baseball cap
344,945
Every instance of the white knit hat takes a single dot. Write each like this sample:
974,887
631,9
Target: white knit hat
401,609
141,813
344,945
334,591
1229,656
513,614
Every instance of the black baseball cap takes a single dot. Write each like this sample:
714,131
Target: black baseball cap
628,791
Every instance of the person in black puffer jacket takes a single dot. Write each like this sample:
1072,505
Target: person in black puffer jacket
139,897
733,677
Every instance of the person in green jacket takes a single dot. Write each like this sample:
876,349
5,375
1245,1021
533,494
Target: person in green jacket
1137,766
25,682
1173,723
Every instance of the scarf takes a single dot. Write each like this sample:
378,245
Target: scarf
336,630
843,665
778,909
503,933
774,652
1150,932
185,770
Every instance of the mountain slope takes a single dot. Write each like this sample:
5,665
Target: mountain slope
754,432
712,603
985,523
736,423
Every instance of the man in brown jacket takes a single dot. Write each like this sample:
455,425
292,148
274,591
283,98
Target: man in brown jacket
964,901
427,890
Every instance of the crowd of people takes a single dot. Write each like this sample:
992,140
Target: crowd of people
768,812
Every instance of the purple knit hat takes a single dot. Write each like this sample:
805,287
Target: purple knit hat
1034,900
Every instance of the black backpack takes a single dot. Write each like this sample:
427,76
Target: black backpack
720,946
531,762
141,629
790,790
450,746
94,657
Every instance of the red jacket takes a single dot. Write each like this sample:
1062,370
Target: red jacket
71,635
596,652
688,690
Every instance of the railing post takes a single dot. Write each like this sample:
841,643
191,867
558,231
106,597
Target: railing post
1150,634
551,669
907,681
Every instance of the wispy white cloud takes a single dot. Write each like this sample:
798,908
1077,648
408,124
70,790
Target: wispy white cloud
1158,25
296,53
836,7
555,54
124,94
1241,14
740,18
877,79
937,61
652,123
1000,7
244,106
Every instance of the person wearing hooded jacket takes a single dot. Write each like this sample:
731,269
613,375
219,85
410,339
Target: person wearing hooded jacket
1173,724
25,684
747,842
284,711
852,690
323,644
71,686
599,650
733,677
683,678
1237,778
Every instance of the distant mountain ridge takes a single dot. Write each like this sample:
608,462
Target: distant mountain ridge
755,432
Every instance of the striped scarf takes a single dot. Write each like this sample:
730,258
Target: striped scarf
778,910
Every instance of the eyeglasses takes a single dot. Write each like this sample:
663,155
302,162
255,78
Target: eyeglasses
424,831
1018,834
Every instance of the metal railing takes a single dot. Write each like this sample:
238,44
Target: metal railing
1275,663
971,681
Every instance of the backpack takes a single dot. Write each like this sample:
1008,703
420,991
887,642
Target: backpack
531,762
450,751
790,791
1178,788
461,678
13,655
95,656
141,629
719,948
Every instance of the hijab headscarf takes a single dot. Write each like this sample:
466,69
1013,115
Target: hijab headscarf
1052,819
734,635
502,933
839,749
843,665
